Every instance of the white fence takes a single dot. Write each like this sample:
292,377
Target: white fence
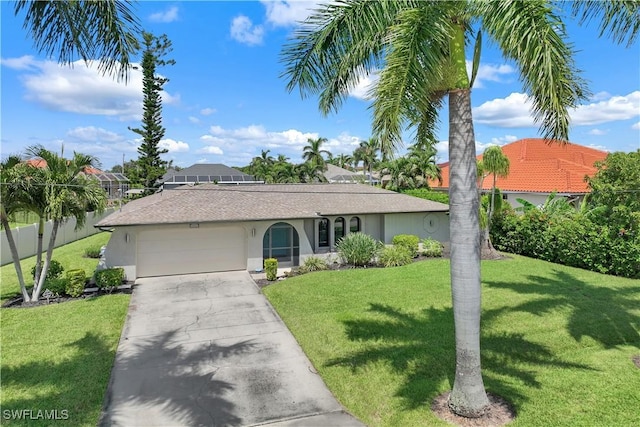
26,237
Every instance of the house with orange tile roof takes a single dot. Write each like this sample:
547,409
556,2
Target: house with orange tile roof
538,168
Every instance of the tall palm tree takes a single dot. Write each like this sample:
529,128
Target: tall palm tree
419,46
342,160
106,30
66,192
367,153
314,154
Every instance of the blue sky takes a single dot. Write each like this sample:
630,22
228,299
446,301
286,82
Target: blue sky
225,101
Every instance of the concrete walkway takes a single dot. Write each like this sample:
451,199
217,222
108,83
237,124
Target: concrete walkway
209,350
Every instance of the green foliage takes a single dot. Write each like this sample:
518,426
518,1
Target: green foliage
617,182
358,249
76,280
271,268
313,263
57,286
431,248
92,252
395,256
109,278
569,238
407,241
423,193
55,270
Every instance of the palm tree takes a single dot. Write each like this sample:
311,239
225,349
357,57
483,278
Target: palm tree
495,163
106,30
342,161
419,47
367,153
65,192
313,153
423,160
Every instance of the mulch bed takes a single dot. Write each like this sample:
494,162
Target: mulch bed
498,413
17,302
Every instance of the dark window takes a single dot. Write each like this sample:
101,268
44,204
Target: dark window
323,232
338,229
354,224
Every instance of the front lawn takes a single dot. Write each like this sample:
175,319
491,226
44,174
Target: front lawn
557,342
57,358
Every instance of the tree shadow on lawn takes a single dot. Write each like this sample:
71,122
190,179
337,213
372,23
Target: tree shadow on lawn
160,375
420,348
599,312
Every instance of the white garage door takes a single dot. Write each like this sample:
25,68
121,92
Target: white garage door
190,250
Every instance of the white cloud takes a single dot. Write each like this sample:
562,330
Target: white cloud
193,119
601,96
510,112
169,15
612,109
94,134
208,111
597,132
211,150
25,62
243,30
635,126
285,13
365,86
173,146
490,72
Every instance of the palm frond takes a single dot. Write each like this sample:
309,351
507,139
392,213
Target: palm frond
619,19
532,34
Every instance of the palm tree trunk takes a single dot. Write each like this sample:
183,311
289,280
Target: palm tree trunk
45,268
468,397
36,278
15,257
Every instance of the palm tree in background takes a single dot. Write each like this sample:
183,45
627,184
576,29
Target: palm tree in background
342,160
367,153
495,163
419,47
313,153
105,30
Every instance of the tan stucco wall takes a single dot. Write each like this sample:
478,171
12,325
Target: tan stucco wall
432,224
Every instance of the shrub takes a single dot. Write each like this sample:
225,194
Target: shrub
271,268
408,241
431,248
76,280
358,248
313,263
55,270
93,252
58,285
109,278
423,193
395,256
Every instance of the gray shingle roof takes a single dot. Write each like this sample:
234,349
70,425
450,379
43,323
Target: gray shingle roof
221,203
203,172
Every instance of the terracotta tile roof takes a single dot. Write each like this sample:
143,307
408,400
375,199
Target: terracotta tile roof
42,163
219,203
538,166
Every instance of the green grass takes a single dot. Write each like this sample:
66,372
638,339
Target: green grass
70,256
59,357
557,342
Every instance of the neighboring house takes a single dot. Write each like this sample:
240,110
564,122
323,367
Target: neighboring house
114,184
202,173
537,169
335,174
210,227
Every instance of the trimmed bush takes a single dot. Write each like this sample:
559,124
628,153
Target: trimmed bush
93,252
408,241
271,268
58,285
358,248
395,256
423,193
55,270
76,280
431,248
313,263
109,278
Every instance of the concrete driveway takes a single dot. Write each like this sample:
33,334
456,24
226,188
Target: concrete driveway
209,350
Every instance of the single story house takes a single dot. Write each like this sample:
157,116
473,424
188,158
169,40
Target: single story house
210,227
204,173
537,168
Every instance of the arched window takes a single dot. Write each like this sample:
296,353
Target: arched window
323,232
338,229
282,243
354,224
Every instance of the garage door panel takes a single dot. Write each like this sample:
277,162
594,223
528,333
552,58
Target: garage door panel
184,251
